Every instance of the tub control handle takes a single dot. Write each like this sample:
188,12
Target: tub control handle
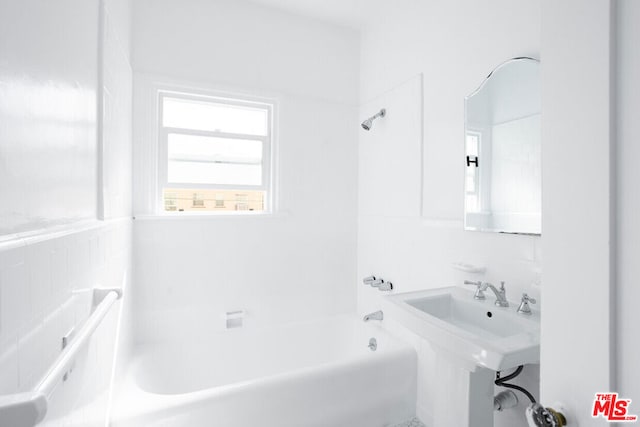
378,282
369,279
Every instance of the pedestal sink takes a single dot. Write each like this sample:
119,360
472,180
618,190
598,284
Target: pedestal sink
477,331
472,339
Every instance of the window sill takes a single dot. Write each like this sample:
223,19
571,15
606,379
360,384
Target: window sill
199,216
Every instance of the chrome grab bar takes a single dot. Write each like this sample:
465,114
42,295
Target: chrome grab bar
29,408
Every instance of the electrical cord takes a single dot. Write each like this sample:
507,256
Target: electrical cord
501,382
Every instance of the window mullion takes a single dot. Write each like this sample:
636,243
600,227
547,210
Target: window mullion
215,134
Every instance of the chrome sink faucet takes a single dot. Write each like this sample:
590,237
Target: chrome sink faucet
501,294
376,315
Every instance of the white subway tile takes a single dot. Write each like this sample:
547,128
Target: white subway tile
12,257
38,262
9,380
31,362
15,304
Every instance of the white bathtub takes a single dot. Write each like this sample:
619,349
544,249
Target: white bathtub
311,374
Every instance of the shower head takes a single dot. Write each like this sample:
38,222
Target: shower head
367,124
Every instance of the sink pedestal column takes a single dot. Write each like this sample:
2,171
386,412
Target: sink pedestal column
465,394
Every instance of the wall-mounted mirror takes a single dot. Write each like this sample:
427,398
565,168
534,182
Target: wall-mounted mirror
502,190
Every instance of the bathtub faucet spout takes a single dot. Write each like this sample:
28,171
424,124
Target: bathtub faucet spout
376,315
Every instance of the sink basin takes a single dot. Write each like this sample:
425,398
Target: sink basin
476,331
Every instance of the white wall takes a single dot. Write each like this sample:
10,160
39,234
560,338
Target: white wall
576,207
298,263
628,206
49,123
238,43
454,45
116,110
47,113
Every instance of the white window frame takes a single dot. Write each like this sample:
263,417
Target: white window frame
267,140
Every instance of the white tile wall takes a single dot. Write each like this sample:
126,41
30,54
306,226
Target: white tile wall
116,138
46,280
390,154
117,92
47,107
45,291
189,273
296,264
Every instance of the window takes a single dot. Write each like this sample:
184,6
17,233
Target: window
220,200
242,202
198,202
214,153
170,200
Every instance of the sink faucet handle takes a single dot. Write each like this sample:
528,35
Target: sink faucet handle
524,304
503,291
527,298
479,289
